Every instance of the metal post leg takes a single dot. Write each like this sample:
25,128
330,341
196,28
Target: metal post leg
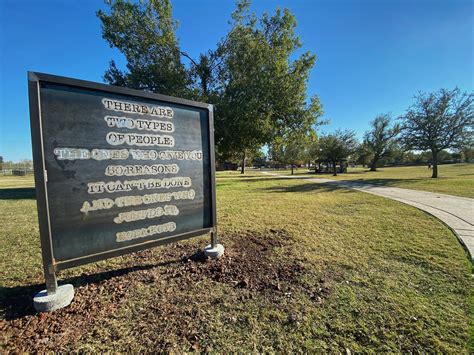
214,238
51,281
214,250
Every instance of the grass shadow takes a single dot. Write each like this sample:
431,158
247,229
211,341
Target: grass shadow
17,302
330,173
21,193
385,182
270,178
240,176
314,186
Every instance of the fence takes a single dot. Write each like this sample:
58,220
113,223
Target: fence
16,172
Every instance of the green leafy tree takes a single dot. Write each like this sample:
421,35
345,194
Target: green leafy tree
445,156
457,157
397,154
337,147
437,121
259,159
381,139
145,34
412,157
254,79
262,90
291,150
466,148
313,151
363,154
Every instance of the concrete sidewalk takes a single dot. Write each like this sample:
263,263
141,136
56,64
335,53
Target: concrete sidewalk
456,212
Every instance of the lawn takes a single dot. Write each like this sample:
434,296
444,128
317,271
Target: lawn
308,268
454,179
9,182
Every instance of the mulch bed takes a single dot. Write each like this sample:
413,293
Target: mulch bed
250,264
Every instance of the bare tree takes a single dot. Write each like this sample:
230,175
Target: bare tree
437,121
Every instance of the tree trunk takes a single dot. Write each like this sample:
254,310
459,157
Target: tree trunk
434,154
373,165
334,168
291,169
204,85
316,167
242,169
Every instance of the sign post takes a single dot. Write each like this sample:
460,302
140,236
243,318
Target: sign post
116,171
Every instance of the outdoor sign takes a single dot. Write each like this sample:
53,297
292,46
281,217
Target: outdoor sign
117,170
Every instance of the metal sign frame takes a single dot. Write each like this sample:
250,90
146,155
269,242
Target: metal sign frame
50,265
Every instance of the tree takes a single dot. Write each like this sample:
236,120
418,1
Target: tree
253,78
145,33
396,155
1,162
363,154
336,147
466,148
259,159
381,139
291,149
262,91
313,151
437,121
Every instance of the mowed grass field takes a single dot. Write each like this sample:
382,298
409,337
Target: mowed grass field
454,179
11,182
308,268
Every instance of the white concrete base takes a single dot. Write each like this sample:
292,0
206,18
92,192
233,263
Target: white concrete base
214,253
45,302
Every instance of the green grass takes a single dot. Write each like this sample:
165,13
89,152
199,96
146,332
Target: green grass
454,179
308,268
9,182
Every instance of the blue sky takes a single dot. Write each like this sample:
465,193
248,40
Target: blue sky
372,56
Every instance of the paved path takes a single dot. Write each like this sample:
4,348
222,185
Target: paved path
456,212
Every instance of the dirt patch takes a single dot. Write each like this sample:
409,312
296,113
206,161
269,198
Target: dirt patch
253,265
250,264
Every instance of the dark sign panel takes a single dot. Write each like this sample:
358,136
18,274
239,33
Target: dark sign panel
117,170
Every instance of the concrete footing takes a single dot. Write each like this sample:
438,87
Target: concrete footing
214,253
44,302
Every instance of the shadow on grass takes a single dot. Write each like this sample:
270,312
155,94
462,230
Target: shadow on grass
233,177
17,302
386,182
21,193
329,173
345,185
314,186
249,180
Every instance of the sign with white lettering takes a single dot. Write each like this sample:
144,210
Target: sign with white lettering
117,170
